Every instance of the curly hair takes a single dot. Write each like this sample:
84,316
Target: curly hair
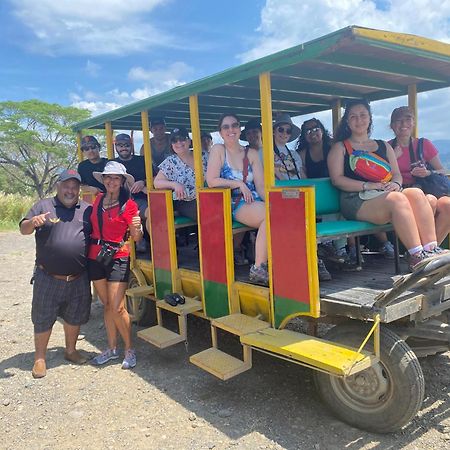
326,137
343,130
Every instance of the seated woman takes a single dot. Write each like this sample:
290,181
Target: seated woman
233,166
288,165
409,211
402,124
176,172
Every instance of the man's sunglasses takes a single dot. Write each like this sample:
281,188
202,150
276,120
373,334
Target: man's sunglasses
284,130
312,130
233,125
122,144
85,148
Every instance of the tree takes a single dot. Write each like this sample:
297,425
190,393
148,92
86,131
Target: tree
36,142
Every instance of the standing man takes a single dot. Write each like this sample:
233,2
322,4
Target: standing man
160,142
252,133
206,139
93,163
60,281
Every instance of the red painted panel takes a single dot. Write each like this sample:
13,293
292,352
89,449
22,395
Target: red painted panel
160,236
288,233
213,240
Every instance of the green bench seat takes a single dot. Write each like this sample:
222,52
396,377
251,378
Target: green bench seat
182,222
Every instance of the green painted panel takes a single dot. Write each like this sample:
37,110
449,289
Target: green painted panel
163,283
285,307
216,299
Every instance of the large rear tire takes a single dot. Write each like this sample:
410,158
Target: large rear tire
382,398
140,309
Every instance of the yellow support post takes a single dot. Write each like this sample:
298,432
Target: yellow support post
79,152
336,114
109,140
267,132
147,150
196,141
412,103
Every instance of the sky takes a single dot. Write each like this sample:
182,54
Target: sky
102,54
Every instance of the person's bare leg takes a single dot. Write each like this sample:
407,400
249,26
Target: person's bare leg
442,219
71,333
116,295
40,350
110,325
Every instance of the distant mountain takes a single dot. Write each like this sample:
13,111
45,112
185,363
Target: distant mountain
443,146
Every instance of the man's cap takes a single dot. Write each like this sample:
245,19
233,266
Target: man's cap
401,111
157,121
179,132
88,140
205,135
123,138
252,124
69,174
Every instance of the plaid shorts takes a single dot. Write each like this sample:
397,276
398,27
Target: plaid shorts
70,300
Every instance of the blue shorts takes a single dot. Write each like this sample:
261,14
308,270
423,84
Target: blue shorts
235,207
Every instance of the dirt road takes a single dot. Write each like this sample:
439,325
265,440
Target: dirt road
167,403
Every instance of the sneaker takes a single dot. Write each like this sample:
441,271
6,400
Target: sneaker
106,356
350,263
324,275
130,359
352,255
259,274
387,250
327,252
437,251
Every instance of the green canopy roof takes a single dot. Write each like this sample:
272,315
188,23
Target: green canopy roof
350,63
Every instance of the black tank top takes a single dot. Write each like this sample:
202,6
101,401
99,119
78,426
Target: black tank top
315,169
381,151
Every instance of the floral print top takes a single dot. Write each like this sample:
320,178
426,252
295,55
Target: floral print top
175,169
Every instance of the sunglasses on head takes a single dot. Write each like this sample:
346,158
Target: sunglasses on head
312,130
178,139
284,130
85,148
123,144
227,127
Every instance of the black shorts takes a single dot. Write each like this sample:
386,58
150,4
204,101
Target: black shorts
70,300
118,270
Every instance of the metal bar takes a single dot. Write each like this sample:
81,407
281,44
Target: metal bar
147,151
336,114
412,103
109,140
196,141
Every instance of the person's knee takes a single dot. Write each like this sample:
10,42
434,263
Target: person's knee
396,201
443,206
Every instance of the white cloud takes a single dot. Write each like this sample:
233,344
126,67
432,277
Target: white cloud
288,23
92,68
112,27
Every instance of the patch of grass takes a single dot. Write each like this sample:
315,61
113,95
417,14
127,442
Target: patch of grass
12,208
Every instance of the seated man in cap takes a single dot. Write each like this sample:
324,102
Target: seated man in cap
60,281
206,139
252,133
93,163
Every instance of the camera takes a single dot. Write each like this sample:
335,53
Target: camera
417,164
106,254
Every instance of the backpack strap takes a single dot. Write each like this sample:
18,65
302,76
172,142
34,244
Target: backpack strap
348,146
420,149
244,174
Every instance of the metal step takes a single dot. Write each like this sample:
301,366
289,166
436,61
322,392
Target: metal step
239,324
314,352
220,364
160,337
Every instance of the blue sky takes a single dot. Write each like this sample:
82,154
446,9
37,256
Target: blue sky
101,54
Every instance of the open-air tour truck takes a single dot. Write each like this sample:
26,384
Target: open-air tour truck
380,320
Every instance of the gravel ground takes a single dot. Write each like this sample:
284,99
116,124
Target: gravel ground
166,402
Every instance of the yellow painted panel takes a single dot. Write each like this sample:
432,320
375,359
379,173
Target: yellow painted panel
325,355
407,40
239,324
254,300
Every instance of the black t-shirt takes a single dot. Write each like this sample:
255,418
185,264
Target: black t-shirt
136,167
62,242
86,168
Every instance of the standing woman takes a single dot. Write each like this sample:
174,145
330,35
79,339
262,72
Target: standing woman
226,167
114,216
402,124
288,165
176,172
409,211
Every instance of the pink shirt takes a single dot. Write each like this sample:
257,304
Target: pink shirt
404,161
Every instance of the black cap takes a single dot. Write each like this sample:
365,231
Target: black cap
89,140
252,124
179,132
157,121
123,138
205,135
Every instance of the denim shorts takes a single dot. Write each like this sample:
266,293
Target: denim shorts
118,270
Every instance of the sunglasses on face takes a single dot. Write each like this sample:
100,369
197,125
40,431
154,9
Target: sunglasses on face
284,130
312,130
178,139
85,148
227,127
121,144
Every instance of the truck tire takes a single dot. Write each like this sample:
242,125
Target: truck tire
382,398
141,309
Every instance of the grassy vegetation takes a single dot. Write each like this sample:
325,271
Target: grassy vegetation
12,208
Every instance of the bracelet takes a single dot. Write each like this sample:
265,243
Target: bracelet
399,185
364,186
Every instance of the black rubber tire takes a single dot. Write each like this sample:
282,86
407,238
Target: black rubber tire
144,312
383,398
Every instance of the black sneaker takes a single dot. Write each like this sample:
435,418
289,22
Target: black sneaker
324,275
327,252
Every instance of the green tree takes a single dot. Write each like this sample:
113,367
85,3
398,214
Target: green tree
36,142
